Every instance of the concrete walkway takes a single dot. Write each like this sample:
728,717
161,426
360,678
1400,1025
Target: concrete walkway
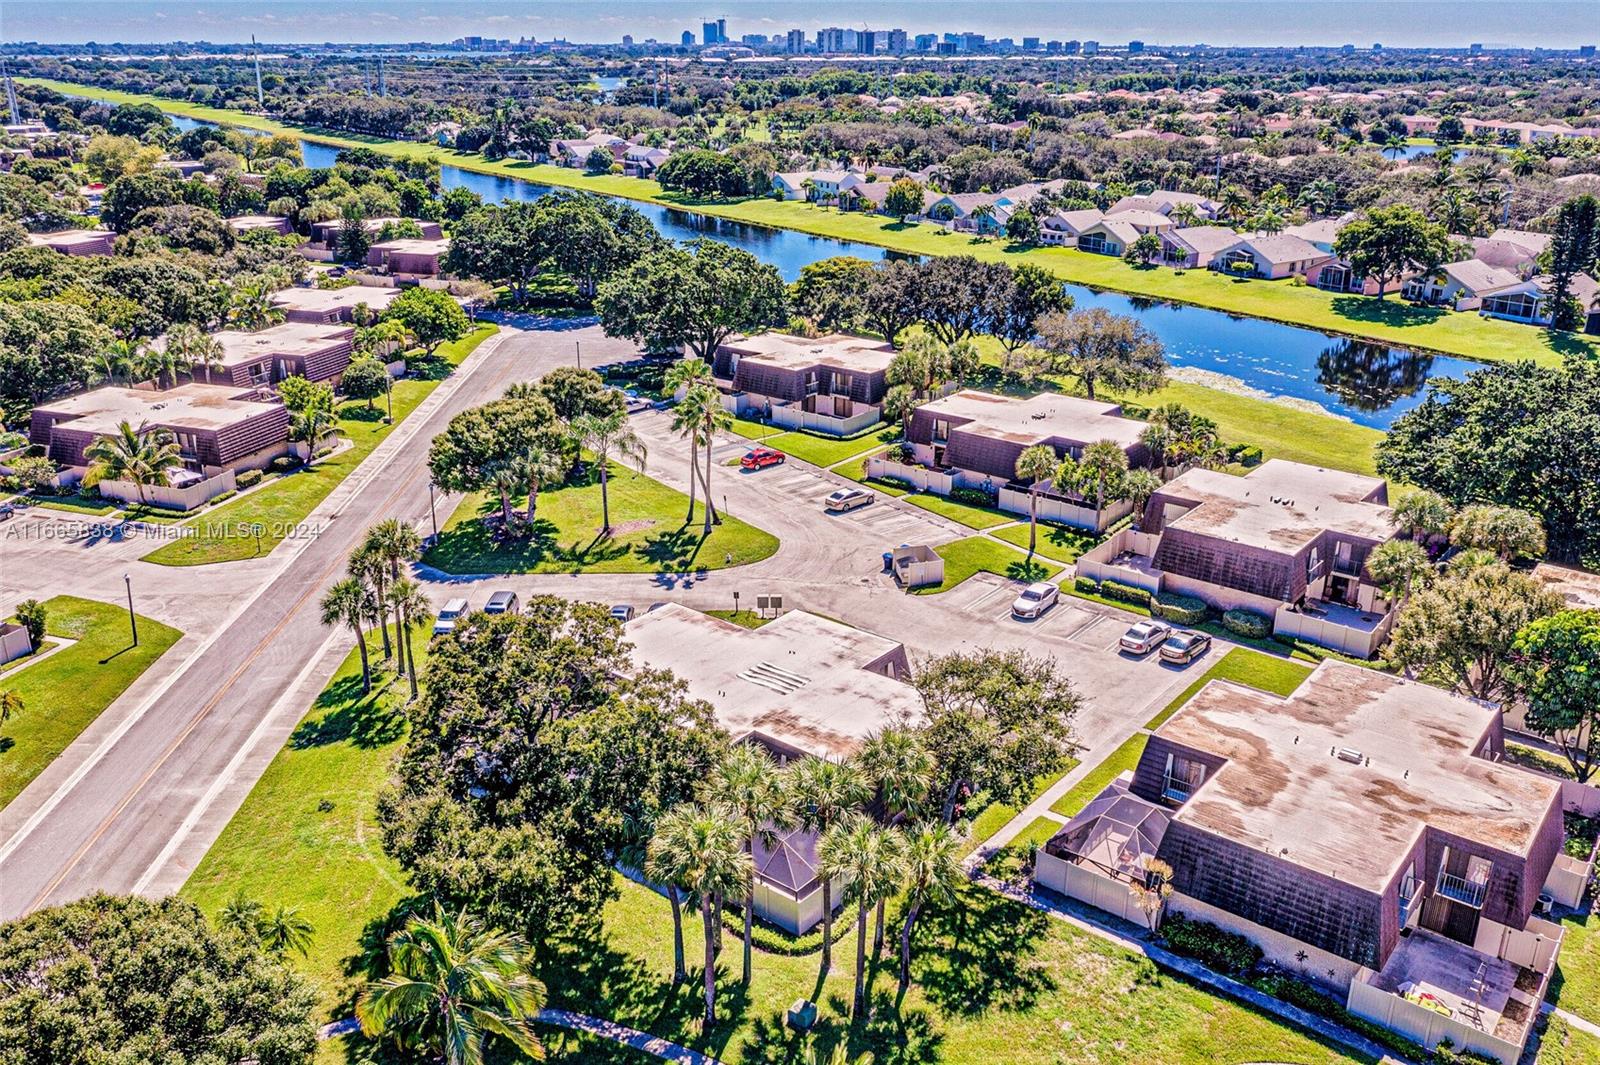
664,1049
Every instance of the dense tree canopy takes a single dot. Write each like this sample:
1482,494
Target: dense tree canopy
695,296
1555,670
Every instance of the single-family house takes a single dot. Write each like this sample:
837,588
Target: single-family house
1286,541
821,186
1320,232
326,234
1164,201
1112,235
327,306
408,257
183,168
1063,228
801,686
315,351
1192,247
830,384
1271,256
75,241
971,212
971,439
1529,301
575,153
251,223
641,161
1363,832
1461,286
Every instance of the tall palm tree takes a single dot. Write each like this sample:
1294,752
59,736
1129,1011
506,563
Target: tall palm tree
684,375
192,350
345,603
284,930
120,360
1235,201
604,435
371,570
1398,566
1394,144
10,705
824,794
900,766
1035,465
669,861
750,784
250,306
711,864
981,213
870,859
411,607
142,456
310,426
506,480
1140,485
460,983
539,465
1104,464
713,417
1184,215
932,872
395,542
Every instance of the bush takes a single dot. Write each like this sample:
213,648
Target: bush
1125,593
285,463
222,497
1226,952
1247,623
1088,585
31,615
775,940
1182,609
975,497
1249,455
1581,835
247,478
1307,996
11,441
32,473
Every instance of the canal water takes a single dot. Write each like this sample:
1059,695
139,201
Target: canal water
1368,383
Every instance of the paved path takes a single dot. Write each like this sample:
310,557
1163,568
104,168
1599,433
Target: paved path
664,1049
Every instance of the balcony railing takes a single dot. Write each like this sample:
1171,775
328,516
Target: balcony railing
1177,789
1461,890
1349,567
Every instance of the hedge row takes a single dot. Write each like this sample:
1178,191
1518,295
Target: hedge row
1298,992
776,941
1227,952
1247,623
1179,609
247,478
1125,593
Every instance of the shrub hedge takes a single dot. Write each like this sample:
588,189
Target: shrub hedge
1307,996
1086,584
285,463
975,497
1125,593
1226,952
221,497
247,478
1182,609
776,941
1247,623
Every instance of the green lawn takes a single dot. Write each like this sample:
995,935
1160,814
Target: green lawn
281,507
1280,676
1562,1044
973,517
752,430
1576,987
996,815
1467,335
1059,543
649,534
63,694
283,848
827,450
963,558
747,619
1536,759
1095,781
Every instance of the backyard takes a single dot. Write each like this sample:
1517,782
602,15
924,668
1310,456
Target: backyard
280,505
65,691
649,534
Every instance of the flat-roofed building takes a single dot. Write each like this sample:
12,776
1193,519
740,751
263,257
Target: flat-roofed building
251,223
326,306
831,384
314,351
408,257
75,241
327,233
216,427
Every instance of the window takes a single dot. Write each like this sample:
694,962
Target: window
1469,889
1184,775
941,429
840,383
1410,889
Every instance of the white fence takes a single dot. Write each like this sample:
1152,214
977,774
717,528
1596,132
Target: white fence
1062,512
1097,565
186,498
919,477
1088,885
14,641
1346,639
791,416
1421,1024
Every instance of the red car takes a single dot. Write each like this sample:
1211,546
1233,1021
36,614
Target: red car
761,456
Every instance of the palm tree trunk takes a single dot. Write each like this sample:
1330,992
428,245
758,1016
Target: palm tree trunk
749,932
533,500
711,959
861,958
877,933
712,517
694,472
383,618
366,668
827,925
1033,519
505,508
679,971
410,651
905,945
605,500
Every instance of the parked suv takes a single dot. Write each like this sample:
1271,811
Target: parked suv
449,614
503,602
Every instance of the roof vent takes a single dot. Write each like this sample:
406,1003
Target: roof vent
1349,754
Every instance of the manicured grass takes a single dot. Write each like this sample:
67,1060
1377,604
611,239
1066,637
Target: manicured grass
1467,335
1541,761
1117,762
1059,543
963,558
1563,1044
283,848
226,534
63,694
1576,987
827,450
72,504
996,815
747,619
972,517
1280,676
752,430
649,534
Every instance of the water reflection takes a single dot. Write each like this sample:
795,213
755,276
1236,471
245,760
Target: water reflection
1371,377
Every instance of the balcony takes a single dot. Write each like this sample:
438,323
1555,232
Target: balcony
1461,890
1347,567
1177,789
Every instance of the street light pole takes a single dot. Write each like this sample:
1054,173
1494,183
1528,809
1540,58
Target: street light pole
133,622
388,395
433,515
577,346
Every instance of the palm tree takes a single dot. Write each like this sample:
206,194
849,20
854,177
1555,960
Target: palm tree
1398,566
980,213
683,376
1140,485
1424,514
870,860
539,465
705,407
1235,201
701,850
1395,144
142,456
604,435
825,793
241,914
345,602
191,350
410,605
310,426
748,781
1270,222
120,360
10,705
900,766
1184,215
1523,163
1035,465
506,479
1104,465
672,860
460,983
250,307
932,872
284,930
371,570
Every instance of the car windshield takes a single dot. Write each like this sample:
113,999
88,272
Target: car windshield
1141,631
1181,639
1033,593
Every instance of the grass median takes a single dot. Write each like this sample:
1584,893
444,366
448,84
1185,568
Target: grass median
282,505
63,693
1279,676
964,558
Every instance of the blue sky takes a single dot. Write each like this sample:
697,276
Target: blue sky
1548,23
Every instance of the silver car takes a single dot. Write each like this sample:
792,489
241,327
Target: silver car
847,499
449,614
1145,637
1035,599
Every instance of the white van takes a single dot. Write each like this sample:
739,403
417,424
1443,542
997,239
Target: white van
446,621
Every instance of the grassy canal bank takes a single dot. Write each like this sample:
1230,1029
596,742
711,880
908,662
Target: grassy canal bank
1389,320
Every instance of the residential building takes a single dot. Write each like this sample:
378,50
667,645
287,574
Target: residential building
1362,832
800,686
1461,286
314,351
1165,201
972,439
1115,232
216,427
1287,541
408,257
897,41
1192,247
714,32
1272,256
1529,301
1322,232
75,241
576,153
641,161
272,223
328,306
795,42
829,384
326,234
820,186
1063,228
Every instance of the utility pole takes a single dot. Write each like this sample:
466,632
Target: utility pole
383,85
261,99
11,95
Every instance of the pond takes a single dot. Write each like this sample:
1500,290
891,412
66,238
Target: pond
1368,383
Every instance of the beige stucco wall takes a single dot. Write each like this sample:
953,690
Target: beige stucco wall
1276,947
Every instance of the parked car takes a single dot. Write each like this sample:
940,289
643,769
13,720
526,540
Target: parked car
1145,637
1035,599
759,457
1185,647
622,612
6,510
503,602
847,499
449,614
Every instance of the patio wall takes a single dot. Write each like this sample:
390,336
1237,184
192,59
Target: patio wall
1284,951
920,477
1568,878
1422,1025
791,416
1088,885
1063,512
174,498
1341,638
1095,563
14,642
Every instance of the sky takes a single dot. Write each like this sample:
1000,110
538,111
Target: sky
1395,23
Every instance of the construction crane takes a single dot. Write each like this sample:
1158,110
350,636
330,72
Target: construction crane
11,95
261,98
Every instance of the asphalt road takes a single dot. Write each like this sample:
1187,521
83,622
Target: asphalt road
110,822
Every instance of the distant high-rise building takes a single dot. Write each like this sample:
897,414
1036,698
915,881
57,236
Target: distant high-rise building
1347,49
1071,47
1091,47
924,42
1052,46
710,33
1476,49
688,39
794,42
754,40
897,41
866,41
1586,51
1030,44
946,48
831,40
627,40
1377,47
972,42
1135,47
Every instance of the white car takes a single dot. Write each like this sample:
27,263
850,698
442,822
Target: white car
1145,637
1035,599
449,614
847,499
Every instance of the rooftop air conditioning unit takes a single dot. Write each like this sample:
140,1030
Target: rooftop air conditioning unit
1349,754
